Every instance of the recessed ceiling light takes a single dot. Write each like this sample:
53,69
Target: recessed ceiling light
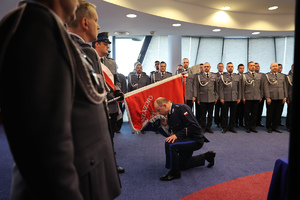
226,8
273,8
176,25
255,33
217,30
121,33
131,15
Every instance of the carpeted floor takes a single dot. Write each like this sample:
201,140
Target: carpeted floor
249,187
143,157
238,155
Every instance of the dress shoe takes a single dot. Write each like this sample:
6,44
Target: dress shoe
277,130
118,131
241,125
120,170
232,130
224,130
269,130
248,130
253,130
171,175
210,157
143,132
209,130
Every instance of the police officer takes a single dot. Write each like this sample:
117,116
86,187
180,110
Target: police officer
276,94
189,82
240,107
138,80
230,97
156,66
262,102
180,69
162,74
252,94
206,95
185,137
218,106
109,67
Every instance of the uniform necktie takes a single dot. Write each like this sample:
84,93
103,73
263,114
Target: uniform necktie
163,74
138,77
101,60
230,75
207,76
253,75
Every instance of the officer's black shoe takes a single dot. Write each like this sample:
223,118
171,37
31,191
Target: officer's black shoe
171,175
210,157
224,130
269,130
233,130
277,130
248,130
209,130
120,170
253,130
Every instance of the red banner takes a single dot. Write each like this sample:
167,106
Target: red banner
139,103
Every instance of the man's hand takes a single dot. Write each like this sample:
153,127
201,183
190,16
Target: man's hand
284,100
269,101
222,101
120,94
171,139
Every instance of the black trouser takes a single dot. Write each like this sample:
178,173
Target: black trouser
218,113
260,111
113,120
197,107
282,106
206,108
120,121
251,109
273,114
288,116
240,114
232,105
179,154
189,103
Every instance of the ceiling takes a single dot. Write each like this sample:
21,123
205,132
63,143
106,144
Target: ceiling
197,17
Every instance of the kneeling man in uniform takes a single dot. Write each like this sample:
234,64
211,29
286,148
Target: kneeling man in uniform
185,137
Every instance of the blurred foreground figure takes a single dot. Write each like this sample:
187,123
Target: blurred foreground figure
54,118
